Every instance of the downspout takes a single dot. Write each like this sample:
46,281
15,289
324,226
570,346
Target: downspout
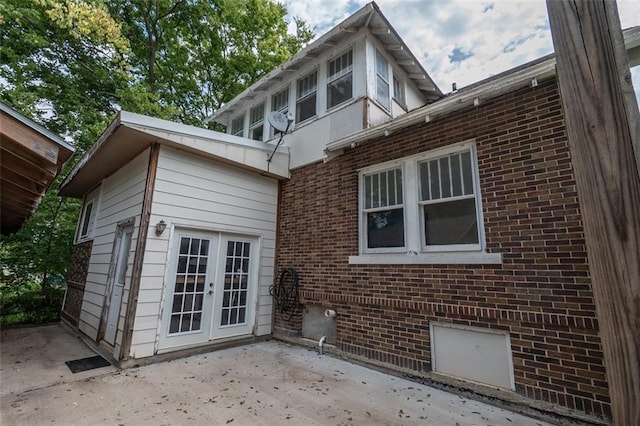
138,258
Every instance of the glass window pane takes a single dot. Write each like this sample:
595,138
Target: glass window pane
456,175
382,91
399,186
445,182
385,228
241,315
306,108
188,303
467,173
225,317
246,249
204,248
452,222
195,325
339,90
184,245
182,264
434,179
174,327
367,191
230,248
424,181
177,303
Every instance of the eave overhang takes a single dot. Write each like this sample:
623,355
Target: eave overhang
369,16
130,134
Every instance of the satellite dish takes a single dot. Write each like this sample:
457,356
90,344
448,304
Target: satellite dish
278,120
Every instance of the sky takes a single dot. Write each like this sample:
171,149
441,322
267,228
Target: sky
461,41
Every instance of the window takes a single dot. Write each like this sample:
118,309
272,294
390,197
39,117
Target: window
383,211
340,79
398,91
306,97
448,206
237,126
382,79
256,122
280,103
86,220
423,209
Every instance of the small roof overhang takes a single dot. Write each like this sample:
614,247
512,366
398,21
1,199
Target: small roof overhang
369,16
31,158
129,134
508,81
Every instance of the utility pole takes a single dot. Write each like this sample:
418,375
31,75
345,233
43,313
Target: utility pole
601,126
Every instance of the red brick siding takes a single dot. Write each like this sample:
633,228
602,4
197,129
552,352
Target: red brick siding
541,293
76,281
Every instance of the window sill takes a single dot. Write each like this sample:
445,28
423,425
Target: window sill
442,258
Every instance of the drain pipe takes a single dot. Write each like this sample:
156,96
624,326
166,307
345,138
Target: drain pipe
321,344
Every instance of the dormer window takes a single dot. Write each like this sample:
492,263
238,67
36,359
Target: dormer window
237,126
382,79
340,79
306,97
280,103
256,122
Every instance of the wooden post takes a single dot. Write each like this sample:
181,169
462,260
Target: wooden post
600,136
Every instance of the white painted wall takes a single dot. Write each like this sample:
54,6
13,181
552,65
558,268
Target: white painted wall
121,196
197,193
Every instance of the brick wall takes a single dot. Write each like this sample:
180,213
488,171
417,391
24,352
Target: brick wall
76,281
541,293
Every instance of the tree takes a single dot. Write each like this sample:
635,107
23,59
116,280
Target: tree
71,64
198,54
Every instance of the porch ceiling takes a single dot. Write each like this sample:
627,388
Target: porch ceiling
31,157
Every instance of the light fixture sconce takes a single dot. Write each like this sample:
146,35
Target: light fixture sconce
160,227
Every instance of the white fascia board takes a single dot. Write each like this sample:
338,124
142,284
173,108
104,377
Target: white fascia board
229,148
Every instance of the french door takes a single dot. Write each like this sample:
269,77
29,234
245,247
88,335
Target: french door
210,292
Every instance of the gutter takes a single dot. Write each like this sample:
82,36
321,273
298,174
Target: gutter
471,96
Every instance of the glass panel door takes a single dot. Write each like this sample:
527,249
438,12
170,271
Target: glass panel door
189,294
235,300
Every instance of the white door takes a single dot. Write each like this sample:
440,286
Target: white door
211,291
236,287
121,248
186,317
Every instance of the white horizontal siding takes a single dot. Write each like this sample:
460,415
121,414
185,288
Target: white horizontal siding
193,192
121,197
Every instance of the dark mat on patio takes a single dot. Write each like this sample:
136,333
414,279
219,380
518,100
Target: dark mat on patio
84,364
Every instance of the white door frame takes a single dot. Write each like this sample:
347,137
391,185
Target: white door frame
216,275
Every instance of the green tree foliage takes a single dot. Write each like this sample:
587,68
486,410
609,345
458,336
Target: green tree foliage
70,64
197,54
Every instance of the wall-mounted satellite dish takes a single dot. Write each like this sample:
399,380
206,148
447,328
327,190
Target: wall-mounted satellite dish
279,121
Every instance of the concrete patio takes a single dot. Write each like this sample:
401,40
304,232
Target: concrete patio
267,383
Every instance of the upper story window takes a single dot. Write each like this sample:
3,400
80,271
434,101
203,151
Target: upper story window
382,79
88,216
280,103
340,79
256,122
237,126
398,91
428,203
306,97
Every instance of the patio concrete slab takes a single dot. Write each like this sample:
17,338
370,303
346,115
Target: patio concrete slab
265,383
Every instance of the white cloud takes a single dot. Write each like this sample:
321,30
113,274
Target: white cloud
492,36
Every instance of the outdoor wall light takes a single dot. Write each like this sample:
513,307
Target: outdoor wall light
160,227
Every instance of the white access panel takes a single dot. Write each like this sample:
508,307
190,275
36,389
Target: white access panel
472,353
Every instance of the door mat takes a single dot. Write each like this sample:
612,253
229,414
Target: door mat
84,364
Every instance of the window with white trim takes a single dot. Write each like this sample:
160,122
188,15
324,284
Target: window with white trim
426,203
398,91
448,202
383,209
280,103
256,122
237,125
340,79
382,79
85,228
306,97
